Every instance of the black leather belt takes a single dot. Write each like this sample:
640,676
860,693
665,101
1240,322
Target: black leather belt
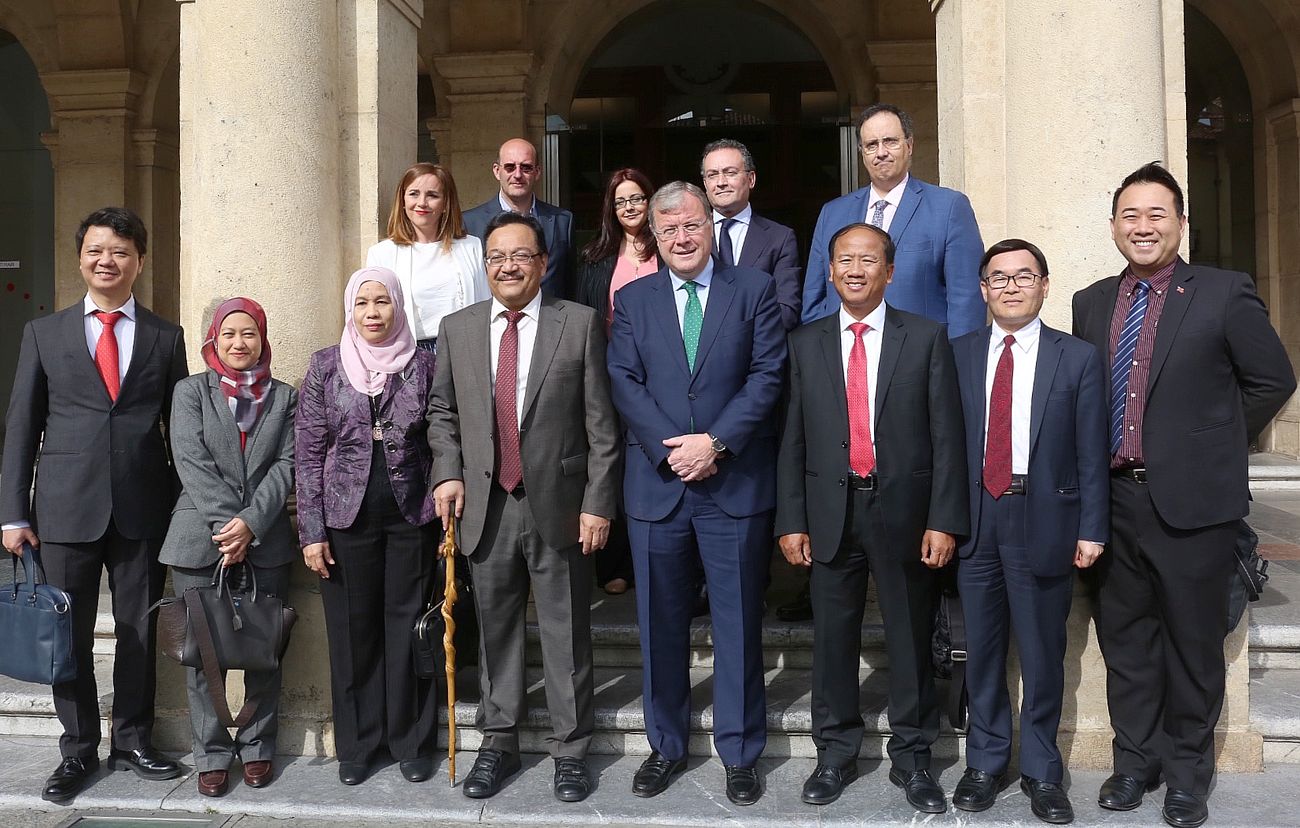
1137,475
1019,485
864,483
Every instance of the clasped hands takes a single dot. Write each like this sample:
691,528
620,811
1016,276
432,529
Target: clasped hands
692,457
936,548
449,499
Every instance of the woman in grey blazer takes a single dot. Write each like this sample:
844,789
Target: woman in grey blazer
232,430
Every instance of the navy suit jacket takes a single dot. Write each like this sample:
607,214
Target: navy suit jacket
1069,460
936,268
557,226
771,248
739,367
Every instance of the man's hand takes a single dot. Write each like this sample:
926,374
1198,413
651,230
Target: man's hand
1086,553
318,558
233,540
937,548
14,538
692,457
593,532
449,499
797,548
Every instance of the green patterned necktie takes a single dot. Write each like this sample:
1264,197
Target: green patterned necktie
691,323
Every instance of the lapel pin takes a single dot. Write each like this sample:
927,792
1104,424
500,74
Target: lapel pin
1179,288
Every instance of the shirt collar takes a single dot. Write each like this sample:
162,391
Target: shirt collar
875,320
532,310
506,208
88,307
703,280
893,196
743,216
1026,337
1159,280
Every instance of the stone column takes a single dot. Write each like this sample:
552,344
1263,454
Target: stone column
1068,125
1280,256
284,181
487,101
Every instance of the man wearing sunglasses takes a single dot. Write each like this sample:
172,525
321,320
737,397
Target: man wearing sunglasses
518,171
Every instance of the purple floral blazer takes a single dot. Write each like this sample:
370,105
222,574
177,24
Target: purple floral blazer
333,444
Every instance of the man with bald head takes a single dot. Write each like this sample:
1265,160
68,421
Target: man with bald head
518,171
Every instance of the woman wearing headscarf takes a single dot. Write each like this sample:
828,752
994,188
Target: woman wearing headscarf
232,437
364,522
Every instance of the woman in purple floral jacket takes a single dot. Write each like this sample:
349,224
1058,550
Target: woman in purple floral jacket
364,522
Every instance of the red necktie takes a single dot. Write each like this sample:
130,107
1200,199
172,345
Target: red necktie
510,467
106,353
997,451
862,456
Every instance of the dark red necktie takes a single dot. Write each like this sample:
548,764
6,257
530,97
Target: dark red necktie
997,451
510,467
106,353
862,455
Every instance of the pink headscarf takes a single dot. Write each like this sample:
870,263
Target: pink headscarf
245,390
368,365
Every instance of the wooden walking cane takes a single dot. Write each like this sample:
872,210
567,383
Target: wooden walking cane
448,554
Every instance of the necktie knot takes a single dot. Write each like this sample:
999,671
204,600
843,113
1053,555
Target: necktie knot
1141,288
859,328
108,318
1009,340
690,288
513,317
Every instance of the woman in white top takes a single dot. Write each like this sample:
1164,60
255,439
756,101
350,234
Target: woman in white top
440,267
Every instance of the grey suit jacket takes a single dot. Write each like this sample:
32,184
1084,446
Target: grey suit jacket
221,482
568,434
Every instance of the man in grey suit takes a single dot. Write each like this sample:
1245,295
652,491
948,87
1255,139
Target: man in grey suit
91,392
520,406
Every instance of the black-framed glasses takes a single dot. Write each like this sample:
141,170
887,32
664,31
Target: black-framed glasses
630,201
519,257
525,168
1023,279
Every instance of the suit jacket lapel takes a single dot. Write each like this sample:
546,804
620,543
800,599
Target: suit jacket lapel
547,219
227,418
663,306
1181,290
74,334
721,291
146,334
835,368
479,346
979,363
755,243
1049,358
907,205
550,327
891,345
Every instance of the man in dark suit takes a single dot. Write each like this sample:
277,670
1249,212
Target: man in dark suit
743,237
1186,398
937,240
525,450
518,171
92,393
871,480
1039,504
696,356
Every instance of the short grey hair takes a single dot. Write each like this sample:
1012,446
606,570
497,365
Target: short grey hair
670,196
732,144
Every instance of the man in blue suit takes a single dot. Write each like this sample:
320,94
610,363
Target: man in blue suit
696,358
1035,410
743,237
933,228
518,171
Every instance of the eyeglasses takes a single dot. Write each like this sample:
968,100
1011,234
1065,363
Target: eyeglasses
630,201
519,257
730,173
891,144
1023,279
525,168
670,233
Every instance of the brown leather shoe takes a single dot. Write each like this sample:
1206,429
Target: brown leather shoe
259,773
214,782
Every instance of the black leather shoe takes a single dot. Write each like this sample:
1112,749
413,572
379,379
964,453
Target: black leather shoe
572,779
416,770
490,770
69,779
827,783
977,790
1047,800
799,608
923,793
146,762
743,785
1184,809
655,773
1123,793
353,773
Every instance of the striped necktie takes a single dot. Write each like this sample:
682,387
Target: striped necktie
1125,351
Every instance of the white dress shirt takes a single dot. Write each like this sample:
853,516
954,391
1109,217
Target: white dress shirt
123,331
894,196
871,340
507,208
1024,356
739,229
527,339
701,290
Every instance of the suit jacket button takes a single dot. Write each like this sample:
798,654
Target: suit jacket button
487,474
690,396
841,481
392,447
844,444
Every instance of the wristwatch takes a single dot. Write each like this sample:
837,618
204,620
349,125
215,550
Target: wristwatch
717,445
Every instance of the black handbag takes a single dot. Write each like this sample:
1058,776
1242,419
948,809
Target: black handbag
948,649
216,628
1252,574
35,626
427,654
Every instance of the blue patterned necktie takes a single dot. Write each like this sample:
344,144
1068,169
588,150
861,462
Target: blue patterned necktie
878,213
725,250
1125,351
692,321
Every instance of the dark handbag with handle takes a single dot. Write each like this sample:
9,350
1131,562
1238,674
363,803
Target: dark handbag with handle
948,648
1252,574
427,656
35,626
216,628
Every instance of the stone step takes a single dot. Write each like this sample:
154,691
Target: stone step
1274,619
1275,713
1273,472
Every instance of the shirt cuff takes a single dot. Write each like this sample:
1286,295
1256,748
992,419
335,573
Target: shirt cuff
17,524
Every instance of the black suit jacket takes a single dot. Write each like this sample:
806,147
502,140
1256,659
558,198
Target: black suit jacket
771,248
557,226
920,445
1219,374
98,459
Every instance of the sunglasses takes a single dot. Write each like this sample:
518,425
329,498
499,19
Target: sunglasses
510,166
